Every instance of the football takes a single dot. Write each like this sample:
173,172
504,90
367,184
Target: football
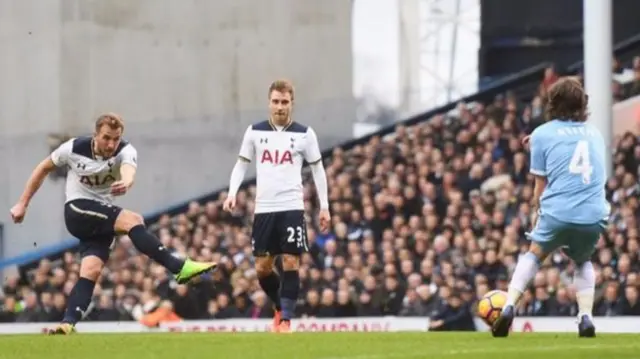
490,306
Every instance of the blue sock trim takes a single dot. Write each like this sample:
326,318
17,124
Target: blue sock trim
532,257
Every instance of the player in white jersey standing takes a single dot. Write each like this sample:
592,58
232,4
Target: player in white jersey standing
100,167
279,146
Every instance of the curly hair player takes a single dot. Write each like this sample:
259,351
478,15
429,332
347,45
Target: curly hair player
280,146
100,167
568,162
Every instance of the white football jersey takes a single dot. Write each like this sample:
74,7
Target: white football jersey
279,156
89,176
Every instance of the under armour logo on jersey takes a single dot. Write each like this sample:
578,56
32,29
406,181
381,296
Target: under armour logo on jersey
81,165
110,164
264,140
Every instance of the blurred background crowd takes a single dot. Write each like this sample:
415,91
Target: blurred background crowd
425,221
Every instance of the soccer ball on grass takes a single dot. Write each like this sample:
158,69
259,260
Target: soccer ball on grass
490,306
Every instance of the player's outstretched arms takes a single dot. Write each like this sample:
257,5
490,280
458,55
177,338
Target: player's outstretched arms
237,175
34,182
127,177
128,167
247,153
59,158
540,183
314,157
320,179
538,165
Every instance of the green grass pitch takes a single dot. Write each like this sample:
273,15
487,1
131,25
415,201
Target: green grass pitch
318,346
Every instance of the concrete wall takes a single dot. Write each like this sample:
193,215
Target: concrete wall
187,76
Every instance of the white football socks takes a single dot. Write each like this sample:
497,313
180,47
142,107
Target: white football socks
526,269
584,279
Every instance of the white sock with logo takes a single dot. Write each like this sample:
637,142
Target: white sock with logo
584,279
526,269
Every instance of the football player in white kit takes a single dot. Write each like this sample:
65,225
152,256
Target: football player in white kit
279,146
100,167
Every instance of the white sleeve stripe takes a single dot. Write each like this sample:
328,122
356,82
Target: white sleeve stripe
537,172
129,162
55,160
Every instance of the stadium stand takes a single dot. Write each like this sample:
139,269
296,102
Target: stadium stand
422,212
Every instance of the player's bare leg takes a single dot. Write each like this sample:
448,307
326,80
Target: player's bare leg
80,296
270,284
526,269
132,224
290,290
585,281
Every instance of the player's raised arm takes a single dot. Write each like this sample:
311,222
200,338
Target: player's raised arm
247,152
58,158
314,157
128,167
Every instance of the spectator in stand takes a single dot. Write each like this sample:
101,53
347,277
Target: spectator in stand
454,315
550,77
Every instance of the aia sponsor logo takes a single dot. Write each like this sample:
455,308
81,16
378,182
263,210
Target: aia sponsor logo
276,157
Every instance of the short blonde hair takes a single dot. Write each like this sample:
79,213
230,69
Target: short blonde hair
283,86
114,121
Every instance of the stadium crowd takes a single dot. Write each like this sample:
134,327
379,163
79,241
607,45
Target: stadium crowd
425,221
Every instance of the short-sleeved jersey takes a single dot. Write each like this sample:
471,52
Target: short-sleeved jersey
89,176
571,155
279,156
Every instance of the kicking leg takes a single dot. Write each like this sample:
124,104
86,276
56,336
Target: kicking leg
270,284
184,270
526,269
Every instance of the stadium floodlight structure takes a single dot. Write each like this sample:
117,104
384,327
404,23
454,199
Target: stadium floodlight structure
598,49
438,48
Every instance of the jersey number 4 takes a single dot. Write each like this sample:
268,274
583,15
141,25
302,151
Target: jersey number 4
580,163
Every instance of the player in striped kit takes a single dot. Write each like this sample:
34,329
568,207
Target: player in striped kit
279,146
101,167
